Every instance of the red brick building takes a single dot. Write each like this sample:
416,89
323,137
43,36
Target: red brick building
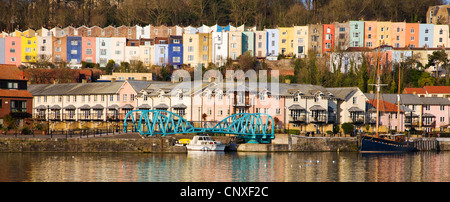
15,99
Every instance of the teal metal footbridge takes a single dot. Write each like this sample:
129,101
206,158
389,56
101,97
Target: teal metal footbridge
251,127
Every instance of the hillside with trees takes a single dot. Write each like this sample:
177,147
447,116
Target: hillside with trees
24,14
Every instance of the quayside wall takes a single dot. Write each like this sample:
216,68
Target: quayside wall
282,143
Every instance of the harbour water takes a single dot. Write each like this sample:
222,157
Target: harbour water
225,167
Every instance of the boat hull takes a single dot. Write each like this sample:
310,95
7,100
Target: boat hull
379,146
213,147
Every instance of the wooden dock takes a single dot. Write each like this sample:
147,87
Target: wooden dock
426,144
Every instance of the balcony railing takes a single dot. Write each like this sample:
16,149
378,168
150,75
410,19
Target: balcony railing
357,119
299,118
318,118
429,124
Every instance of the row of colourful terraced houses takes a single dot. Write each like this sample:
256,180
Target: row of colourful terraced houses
304,107
162,45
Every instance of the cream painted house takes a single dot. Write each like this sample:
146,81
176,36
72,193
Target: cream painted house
84,105
191,49
300,41
234,44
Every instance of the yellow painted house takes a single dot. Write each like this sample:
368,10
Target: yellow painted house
29,49
286,43
205,44
384,32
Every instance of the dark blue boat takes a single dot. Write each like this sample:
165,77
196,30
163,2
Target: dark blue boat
387,143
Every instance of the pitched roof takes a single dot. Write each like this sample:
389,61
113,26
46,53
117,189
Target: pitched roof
11,72
414,91
384,106
437,89
15,93
435,100
405,99
75,88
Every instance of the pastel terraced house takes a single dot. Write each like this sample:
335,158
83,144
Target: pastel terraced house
29,49
357,34
384,32
59,53
412,35
260,43
426,35
440,36
234,44
328,38
301,41
205,47
44,48
89,49
103,50
397,36
191,49
370,34
286,40
273,42
248,42
74,51
79,105
13,51
220,48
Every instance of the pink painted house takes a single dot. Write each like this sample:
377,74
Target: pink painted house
13,50
389,119
217,104
435,113
88,52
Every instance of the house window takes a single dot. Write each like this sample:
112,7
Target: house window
355,100
12,85
442,107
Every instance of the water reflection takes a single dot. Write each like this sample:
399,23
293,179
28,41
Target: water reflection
225,167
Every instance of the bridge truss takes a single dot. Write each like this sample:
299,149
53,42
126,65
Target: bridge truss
251,127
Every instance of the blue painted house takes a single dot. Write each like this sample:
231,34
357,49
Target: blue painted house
273,42
176,51
426,33
74,49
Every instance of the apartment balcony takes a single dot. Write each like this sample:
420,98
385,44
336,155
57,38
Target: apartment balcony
55,116
429,124
357,119
69,116
318,118
297,118
40,117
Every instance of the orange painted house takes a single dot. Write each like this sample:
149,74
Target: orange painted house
59,53
328,38
398,30
370,34
412,35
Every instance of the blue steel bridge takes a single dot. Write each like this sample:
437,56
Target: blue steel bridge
251,127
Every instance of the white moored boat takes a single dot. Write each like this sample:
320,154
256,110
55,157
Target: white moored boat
205,143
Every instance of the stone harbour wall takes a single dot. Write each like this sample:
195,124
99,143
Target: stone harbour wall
89,145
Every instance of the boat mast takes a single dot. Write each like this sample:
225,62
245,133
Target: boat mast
378,90
378,85
398,101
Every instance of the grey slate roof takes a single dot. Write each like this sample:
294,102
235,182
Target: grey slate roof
75,88
343,93
435,100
